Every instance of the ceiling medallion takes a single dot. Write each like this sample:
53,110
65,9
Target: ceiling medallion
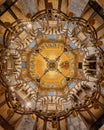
50,66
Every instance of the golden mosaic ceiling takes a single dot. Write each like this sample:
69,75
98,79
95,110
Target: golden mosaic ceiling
51,63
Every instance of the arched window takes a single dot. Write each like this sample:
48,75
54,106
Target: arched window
72,45
52,37
31,84
32,44
72,85
52,93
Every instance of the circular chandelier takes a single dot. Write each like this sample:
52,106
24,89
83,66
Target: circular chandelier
51,65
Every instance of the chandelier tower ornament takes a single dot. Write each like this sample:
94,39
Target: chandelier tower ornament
50,65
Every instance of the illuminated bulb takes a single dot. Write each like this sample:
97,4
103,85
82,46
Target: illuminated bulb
22,105
28,104
14,98
12,88
29,25
13,37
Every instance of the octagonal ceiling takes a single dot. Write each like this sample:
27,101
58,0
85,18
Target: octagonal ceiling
49,61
